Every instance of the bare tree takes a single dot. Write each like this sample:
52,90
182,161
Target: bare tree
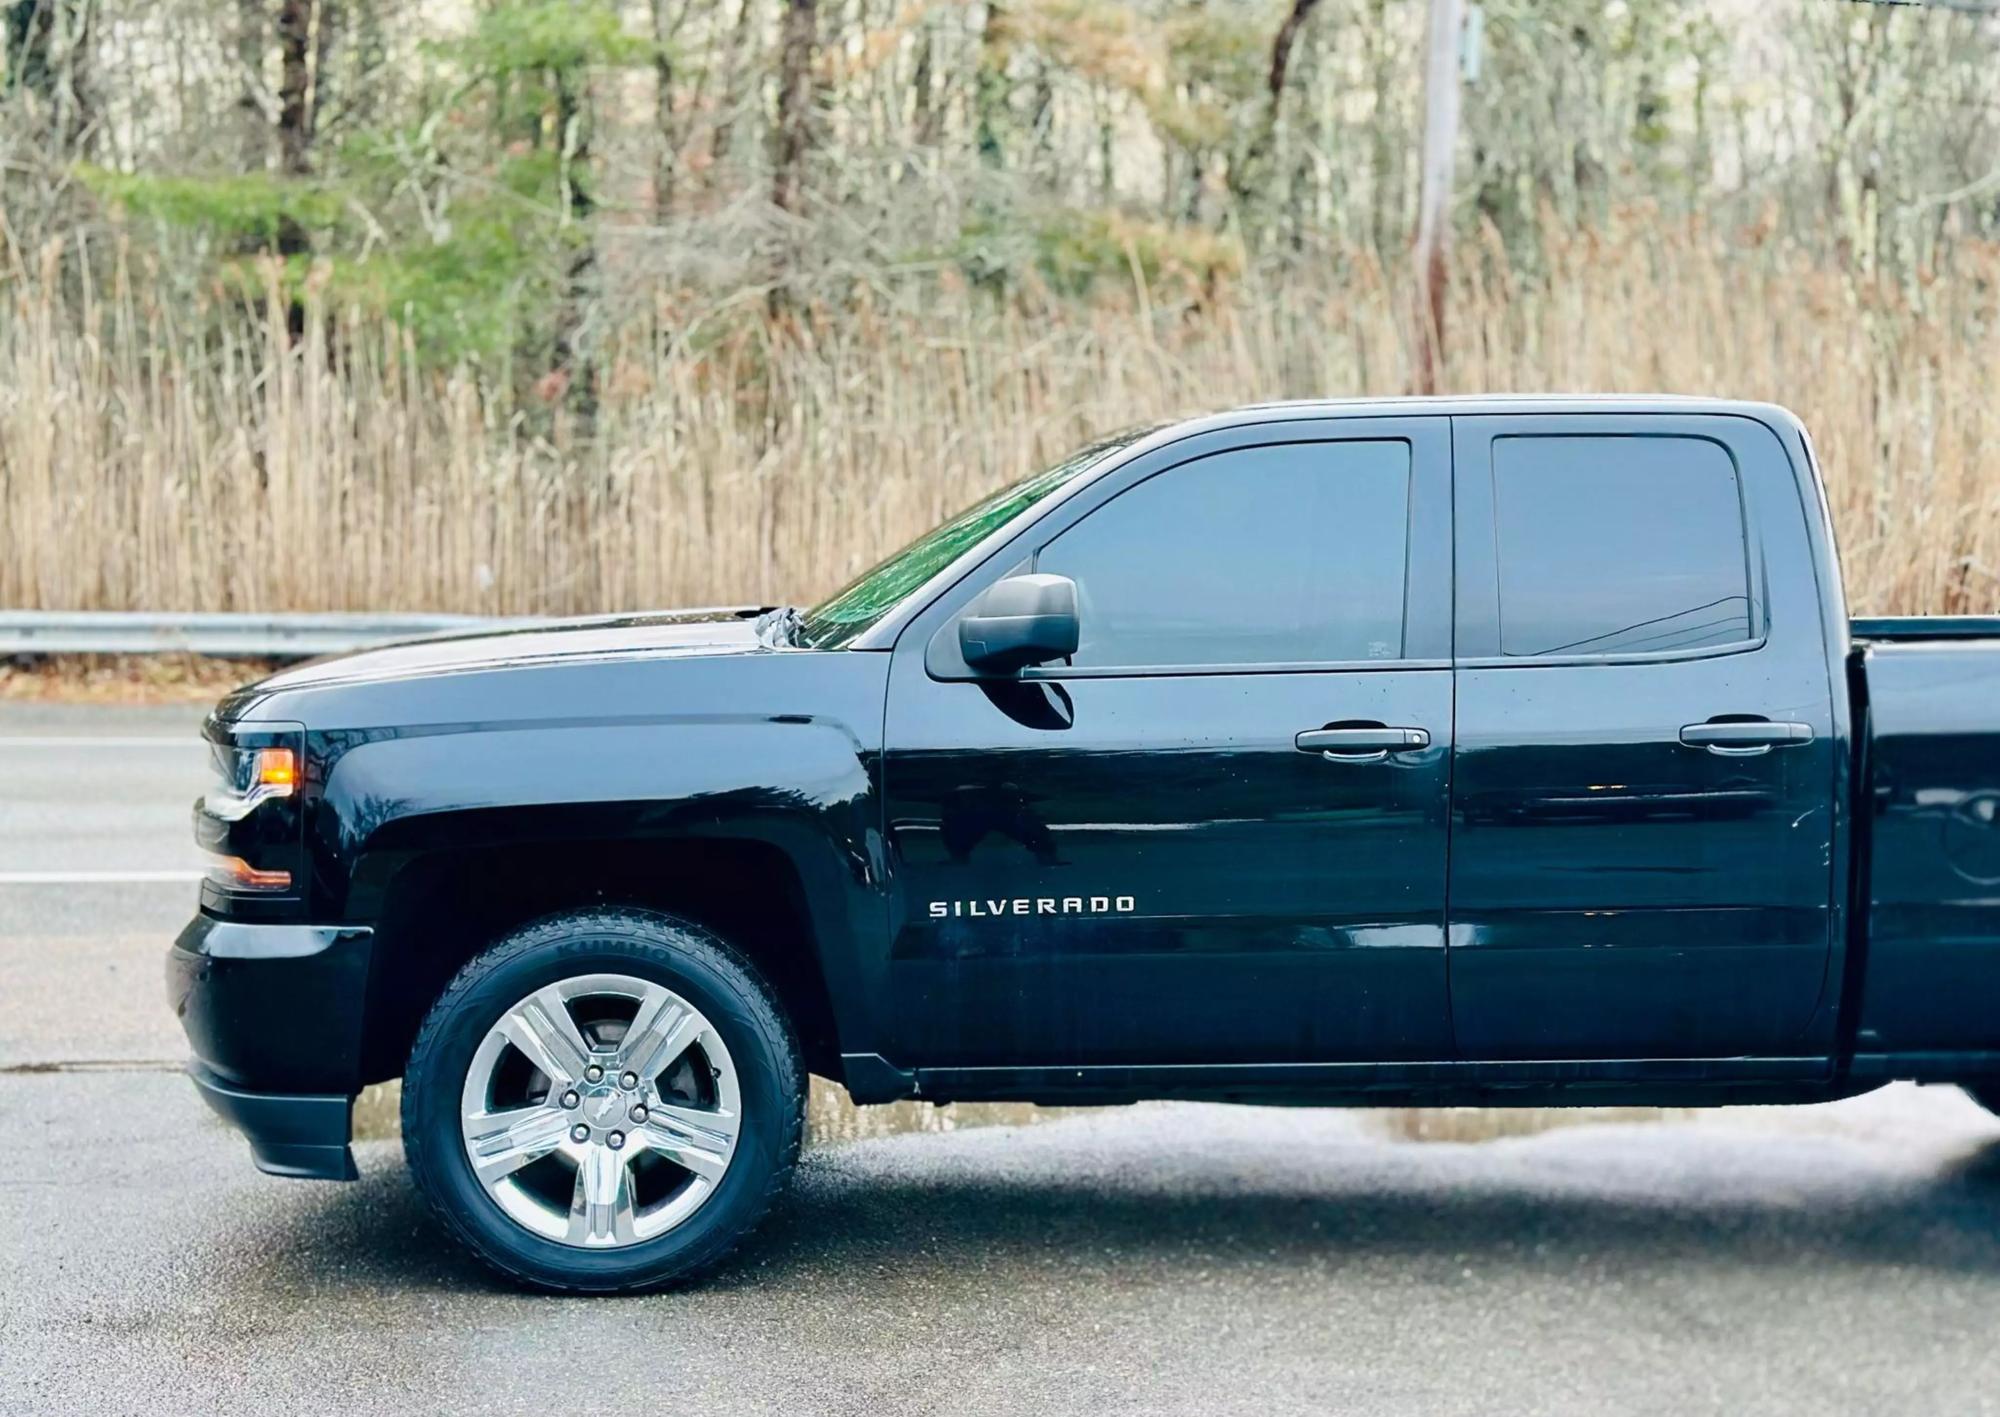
252,38
666,159
295,86
927,105
48,58
991,88
733,62
792,134
1243,171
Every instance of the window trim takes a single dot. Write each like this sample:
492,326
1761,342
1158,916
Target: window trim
1481,483
1043,673
1662,656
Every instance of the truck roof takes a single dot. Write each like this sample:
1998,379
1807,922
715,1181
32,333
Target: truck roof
1471,405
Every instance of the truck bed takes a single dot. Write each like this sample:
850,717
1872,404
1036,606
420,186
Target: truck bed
1902,629
1929,819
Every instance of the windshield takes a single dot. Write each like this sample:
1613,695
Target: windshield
875,593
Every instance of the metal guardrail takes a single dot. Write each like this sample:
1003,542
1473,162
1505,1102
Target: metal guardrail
221,634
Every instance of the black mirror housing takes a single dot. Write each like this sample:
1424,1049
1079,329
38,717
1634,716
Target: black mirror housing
1019,621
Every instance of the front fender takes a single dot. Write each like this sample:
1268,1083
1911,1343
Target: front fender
803,786
662,777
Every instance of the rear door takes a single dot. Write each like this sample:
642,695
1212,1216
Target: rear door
1642,824
1147,856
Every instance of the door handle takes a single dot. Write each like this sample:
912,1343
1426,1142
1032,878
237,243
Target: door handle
1745,738
1362,745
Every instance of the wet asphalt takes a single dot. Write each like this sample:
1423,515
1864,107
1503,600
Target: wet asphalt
1155,1259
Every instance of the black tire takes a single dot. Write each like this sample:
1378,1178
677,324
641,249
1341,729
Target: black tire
693,962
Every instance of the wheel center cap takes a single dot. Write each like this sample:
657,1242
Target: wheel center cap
601,1107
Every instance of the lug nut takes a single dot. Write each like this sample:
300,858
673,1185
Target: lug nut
639,1113
593,1073
579,1132
570,1100
615,1140
629,1081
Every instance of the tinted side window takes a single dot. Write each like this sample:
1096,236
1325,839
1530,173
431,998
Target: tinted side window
1618,545
1292,554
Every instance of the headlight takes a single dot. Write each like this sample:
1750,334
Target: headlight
250,778
249,820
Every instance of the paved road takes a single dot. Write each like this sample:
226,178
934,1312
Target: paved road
1152,1259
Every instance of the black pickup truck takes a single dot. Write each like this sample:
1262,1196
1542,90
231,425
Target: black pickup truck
1492,751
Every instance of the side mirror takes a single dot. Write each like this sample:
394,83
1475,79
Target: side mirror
1020,621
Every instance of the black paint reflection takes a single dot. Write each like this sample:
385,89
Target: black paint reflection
1284,906
1616,893
969,815
1031,703
1934,871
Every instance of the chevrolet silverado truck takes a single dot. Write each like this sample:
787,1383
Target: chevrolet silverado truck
1463,751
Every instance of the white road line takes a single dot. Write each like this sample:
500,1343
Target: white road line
94,878
79,741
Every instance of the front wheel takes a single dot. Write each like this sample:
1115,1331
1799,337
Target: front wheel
603,1102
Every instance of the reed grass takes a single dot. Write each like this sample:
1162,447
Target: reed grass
165,456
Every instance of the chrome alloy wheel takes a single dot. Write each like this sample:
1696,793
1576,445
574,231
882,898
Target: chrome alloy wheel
601,1111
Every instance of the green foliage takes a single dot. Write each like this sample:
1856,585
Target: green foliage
467,298
478,280
470,296
236,208
534,176
550,36
463,241
486,280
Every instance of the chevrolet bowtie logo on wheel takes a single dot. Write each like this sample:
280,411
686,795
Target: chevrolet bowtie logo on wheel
1036,905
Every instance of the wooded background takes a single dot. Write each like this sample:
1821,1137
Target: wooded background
564,305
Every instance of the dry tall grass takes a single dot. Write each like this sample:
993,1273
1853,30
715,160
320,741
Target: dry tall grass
152,457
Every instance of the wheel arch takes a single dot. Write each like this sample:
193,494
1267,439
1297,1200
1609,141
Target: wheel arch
441,898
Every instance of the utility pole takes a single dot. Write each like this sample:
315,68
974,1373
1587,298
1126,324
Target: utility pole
1433,244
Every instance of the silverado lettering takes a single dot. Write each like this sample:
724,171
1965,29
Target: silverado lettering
1040,905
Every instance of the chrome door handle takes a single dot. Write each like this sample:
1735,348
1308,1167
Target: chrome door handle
1362,744
1745,738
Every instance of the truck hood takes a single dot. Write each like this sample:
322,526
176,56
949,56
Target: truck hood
720,631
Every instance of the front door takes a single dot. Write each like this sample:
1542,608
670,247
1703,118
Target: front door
1137,858
1642,836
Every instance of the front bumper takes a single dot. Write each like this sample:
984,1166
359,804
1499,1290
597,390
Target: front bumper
275,1017
306,1136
